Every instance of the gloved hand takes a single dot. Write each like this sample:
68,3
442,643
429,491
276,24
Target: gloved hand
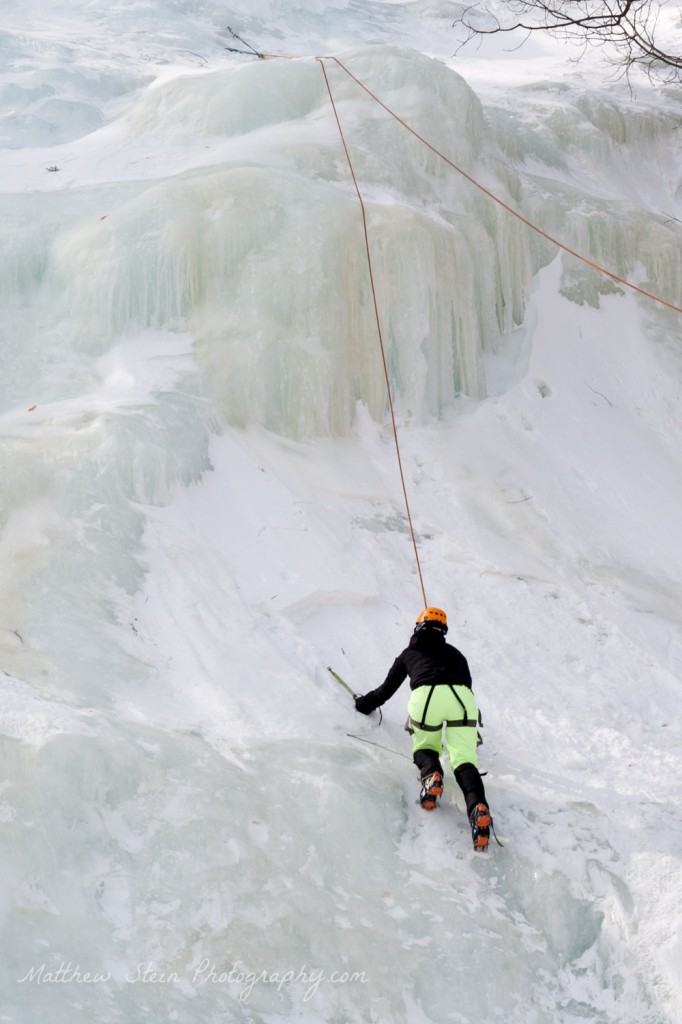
365,704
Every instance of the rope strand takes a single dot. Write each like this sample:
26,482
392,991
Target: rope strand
379,330
500,202
477,184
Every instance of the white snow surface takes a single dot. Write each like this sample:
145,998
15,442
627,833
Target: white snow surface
201,510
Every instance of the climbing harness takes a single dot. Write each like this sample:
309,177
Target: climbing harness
411,724
466,721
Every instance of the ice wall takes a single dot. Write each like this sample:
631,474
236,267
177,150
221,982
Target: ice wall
203,247
217,234
176,783
585,167
254,168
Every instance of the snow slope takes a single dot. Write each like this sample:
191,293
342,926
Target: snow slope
201,511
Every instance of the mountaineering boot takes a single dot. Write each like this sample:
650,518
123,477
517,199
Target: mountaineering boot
432,787
480,826
470,782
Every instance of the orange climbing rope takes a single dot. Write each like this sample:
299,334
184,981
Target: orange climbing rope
491,195
477,184
500,202
379,331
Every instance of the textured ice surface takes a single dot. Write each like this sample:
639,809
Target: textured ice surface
200,510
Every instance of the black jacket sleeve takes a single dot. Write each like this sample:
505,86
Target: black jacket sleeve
375,698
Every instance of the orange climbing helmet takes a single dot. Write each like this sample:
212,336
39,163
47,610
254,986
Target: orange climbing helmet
433,617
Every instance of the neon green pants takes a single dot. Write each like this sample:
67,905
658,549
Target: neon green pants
443,707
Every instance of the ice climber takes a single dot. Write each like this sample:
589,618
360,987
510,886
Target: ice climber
441,696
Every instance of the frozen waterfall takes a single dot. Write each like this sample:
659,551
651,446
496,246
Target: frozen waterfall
200,511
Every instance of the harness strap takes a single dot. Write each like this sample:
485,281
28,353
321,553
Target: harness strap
461,702
429,728
466,723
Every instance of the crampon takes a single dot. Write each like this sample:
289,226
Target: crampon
432,787
481,821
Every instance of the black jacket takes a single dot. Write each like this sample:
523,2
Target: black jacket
427,660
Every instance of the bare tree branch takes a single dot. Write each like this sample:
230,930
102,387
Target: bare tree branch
630,29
